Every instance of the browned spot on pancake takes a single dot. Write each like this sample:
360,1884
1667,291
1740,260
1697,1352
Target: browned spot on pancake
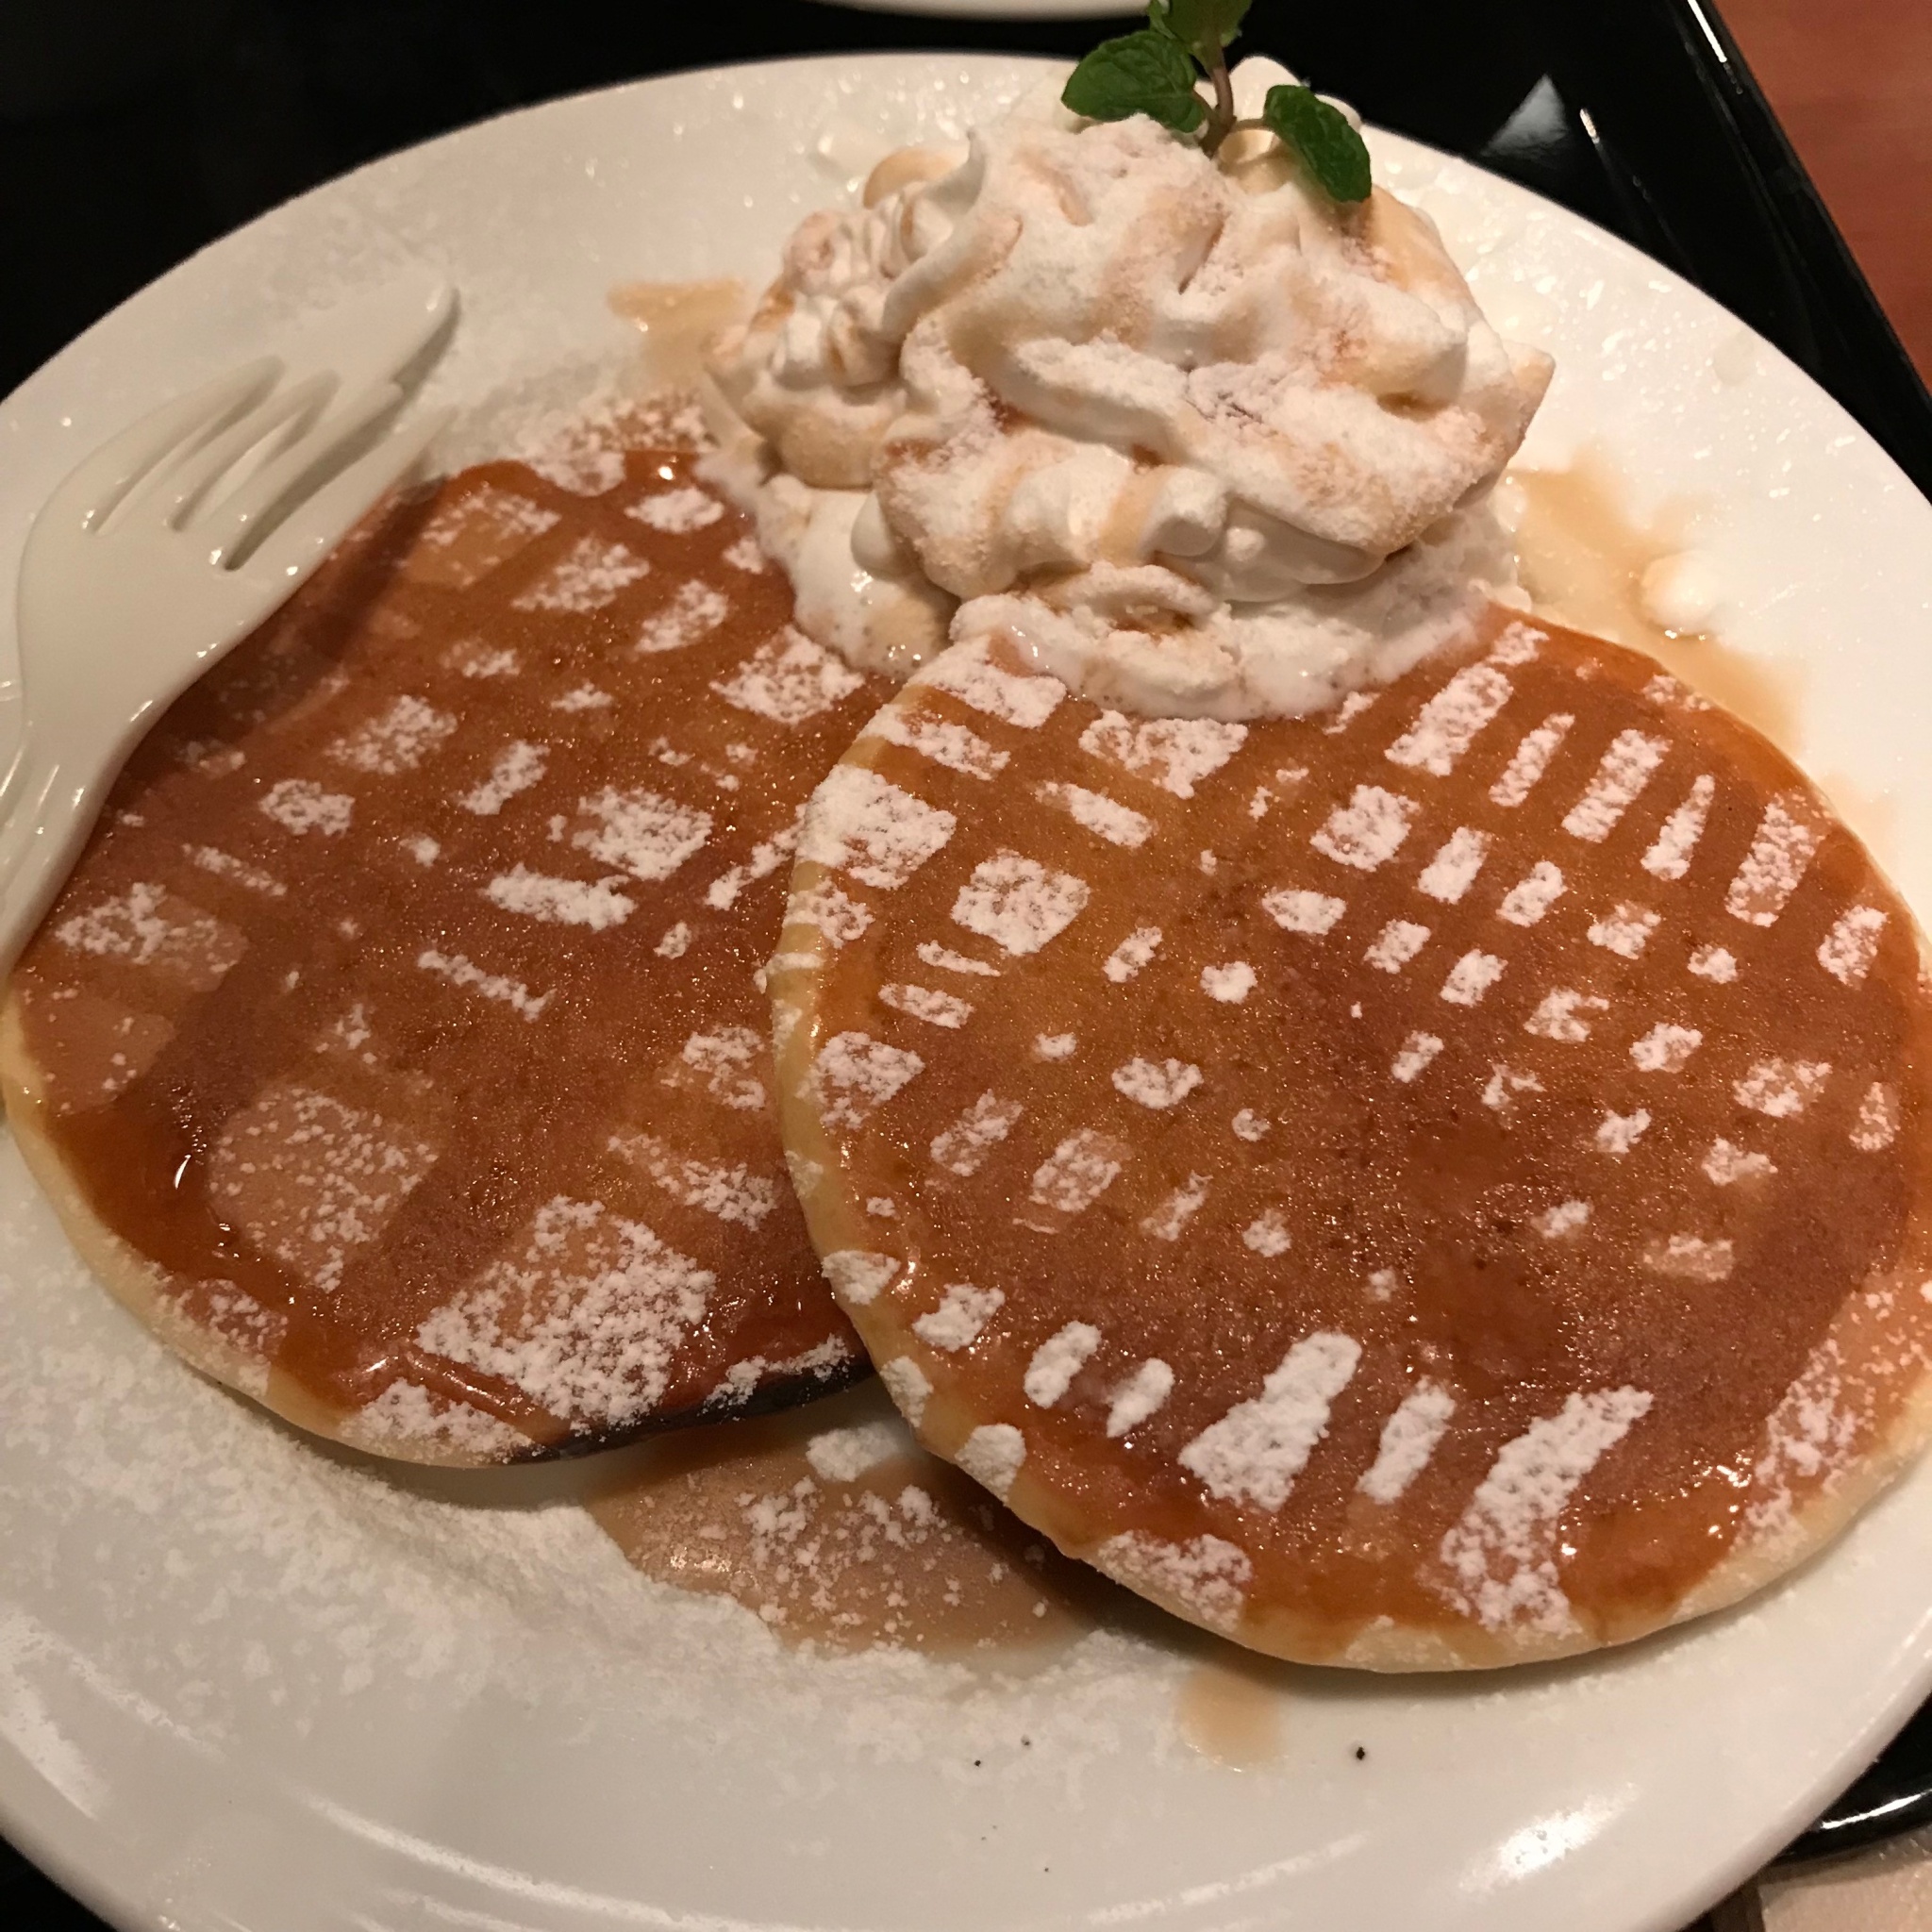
1429,1183
404,1008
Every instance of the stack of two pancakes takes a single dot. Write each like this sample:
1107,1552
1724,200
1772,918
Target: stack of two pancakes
1437,1183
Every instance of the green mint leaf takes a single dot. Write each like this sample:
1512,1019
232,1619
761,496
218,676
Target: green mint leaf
1146,72
1320,138
1203,27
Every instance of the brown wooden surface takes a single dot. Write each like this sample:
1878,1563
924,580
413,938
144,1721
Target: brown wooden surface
1852,82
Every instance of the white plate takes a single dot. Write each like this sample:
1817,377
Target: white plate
245,1684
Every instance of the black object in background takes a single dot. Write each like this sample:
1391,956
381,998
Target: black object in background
132,132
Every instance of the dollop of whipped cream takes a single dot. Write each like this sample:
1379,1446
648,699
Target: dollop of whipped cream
1200,440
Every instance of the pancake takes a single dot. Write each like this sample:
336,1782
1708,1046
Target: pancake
398,1049
1439,1184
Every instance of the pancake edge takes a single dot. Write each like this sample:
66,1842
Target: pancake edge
141,1286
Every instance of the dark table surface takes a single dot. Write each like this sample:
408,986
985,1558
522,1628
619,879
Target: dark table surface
132,132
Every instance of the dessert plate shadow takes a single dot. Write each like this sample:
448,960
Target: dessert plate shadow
244,1682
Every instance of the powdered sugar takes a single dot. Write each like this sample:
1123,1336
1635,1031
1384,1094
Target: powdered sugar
1056,1362
301,805
519,765
789,679
584,1321
958,1320
1410,1438
866,825
1256,1450
1502,1555
1017,903
963,1148
640,832
560,901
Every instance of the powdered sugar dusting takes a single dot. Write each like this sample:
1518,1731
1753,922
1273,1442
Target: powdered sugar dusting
1533,894
1781,851
1847,951
1255,1452
969,674
963,1148
1665,1048
590,576
1079,1171
1017,903
1502,1555
397,740
585,1321
1782,1087
1621,776
1530,761
906,1383
559,901
1624,931
1295,910
1118,824
1056,1362
1669,855
956,1321
1397,944
1176,754
1452,872
729,1192
927,1003
870,827
1140,1396
300,806
1157,1084
856,1074
694,612
1133,955
1449,721
857,1276
992,1456
789,679
640,832
1408,1439
519,765
1368,830
1207,1575
937,739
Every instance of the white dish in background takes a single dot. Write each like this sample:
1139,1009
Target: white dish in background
1004,10
245,1684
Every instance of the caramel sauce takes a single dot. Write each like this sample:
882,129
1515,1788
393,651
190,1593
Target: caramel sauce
1583,559
675,320
404,1015
903,1552
1233,1710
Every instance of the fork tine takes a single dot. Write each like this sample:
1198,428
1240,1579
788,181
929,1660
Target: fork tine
313,529
231,526
98,484
177,490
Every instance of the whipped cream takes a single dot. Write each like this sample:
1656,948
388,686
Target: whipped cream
1204,441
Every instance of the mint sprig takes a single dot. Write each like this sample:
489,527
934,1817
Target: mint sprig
1158,71
1321,138
1139,74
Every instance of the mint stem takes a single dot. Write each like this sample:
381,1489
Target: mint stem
1221,119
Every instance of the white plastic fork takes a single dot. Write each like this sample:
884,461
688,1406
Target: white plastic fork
170,544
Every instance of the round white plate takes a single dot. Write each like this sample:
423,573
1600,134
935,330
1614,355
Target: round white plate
245,1684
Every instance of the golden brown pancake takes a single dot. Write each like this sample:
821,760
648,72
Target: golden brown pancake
1439,1184
399,1048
